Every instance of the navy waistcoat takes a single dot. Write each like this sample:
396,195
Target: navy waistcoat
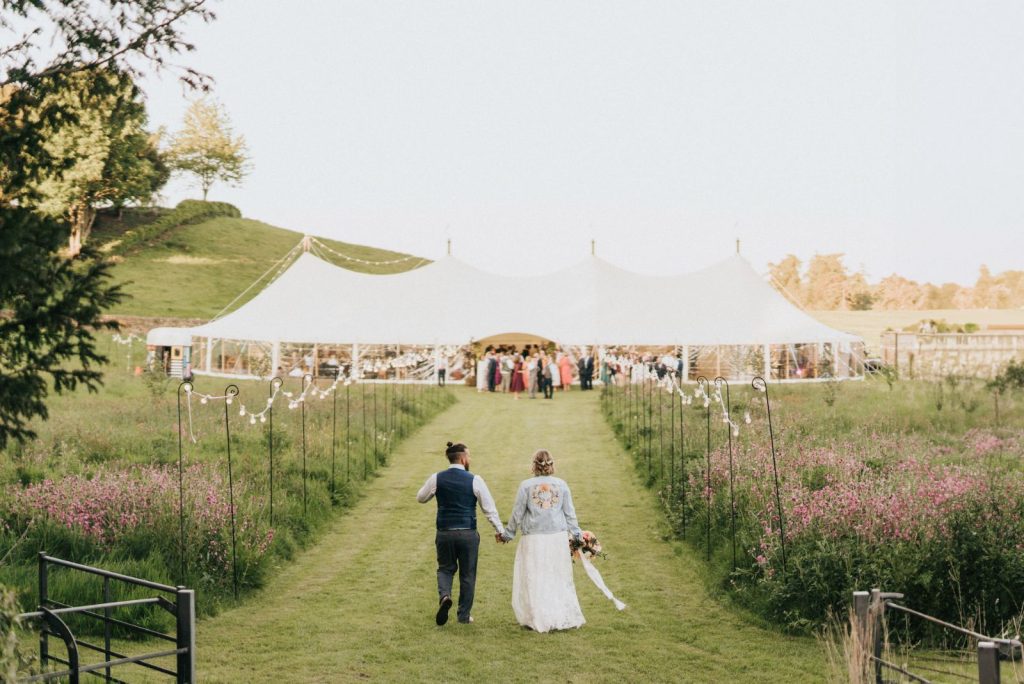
456,502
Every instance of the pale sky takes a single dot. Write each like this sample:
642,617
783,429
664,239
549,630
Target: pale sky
893,132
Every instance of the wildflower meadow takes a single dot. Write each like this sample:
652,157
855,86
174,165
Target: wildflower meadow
877,488
101,484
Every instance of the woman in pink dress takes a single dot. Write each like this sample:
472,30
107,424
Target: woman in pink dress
516,384
565,370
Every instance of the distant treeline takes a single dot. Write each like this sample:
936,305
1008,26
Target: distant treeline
826,284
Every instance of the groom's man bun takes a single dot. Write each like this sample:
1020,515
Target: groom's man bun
454,451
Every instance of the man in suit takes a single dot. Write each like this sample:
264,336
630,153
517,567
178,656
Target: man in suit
586,368
492,365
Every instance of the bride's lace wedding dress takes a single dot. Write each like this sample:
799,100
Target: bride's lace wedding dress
543,592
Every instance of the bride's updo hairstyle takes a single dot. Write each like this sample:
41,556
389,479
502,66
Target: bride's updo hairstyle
454,451
543,464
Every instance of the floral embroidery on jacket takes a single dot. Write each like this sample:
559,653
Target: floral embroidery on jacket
544,495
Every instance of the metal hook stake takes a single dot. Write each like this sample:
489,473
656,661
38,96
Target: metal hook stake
719,382
188,387
705,386
760,385
230,392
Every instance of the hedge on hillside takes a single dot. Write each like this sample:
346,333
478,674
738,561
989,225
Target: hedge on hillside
186,213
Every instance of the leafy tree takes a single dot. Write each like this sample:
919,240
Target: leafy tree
826,282
858,294
786,277
114,161
860,300
206,147
53,304
897,292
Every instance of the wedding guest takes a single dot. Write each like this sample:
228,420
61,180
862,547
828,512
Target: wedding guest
555,378
507,366
493,371
517,383
565,371
533,375
586,368
442,370
481,372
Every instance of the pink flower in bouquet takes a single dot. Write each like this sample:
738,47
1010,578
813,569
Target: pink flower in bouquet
587,543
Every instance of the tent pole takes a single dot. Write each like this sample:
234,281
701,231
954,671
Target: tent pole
209,352
768,362
686,363
275,358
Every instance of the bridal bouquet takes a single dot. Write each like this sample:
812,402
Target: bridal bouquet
586,544
585,548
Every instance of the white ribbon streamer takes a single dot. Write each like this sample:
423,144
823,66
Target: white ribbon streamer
595,577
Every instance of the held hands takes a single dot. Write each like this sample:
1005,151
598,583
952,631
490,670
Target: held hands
500,538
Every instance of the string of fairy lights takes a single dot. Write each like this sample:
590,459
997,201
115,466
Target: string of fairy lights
128,339
669,384
366,262
294,400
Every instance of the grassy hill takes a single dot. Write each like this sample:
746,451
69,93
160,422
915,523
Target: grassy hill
195,270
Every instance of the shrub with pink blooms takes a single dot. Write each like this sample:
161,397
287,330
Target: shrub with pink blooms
935,511
133,513
100,483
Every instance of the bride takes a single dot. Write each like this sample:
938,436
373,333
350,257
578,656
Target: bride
543,593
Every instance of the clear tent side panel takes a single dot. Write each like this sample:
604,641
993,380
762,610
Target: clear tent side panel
244,358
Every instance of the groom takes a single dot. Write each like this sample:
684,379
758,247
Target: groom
458,492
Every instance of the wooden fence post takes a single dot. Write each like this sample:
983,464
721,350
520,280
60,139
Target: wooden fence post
988,662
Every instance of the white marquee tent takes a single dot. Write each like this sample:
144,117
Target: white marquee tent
315,305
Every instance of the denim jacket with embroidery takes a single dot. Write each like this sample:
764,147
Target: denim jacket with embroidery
543,505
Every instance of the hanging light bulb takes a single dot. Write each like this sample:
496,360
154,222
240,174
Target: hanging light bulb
263,419
292,404
735,432
270,401
706,402
746,417
241,411
252,420
203,400
229,400
188,389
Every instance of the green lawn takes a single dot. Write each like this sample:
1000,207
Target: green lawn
199,269
360,604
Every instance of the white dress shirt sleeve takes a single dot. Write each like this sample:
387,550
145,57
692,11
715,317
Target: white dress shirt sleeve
428,489
483,495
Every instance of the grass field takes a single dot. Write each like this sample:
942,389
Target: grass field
200,268
360,605
871,324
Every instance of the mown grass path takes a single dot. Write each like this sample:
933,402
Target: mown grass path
360,604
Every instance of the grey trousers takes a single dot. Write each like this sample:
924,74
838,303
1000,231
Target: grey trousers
457,552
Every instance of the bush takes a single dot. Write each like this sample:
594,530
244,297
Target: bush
186,213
